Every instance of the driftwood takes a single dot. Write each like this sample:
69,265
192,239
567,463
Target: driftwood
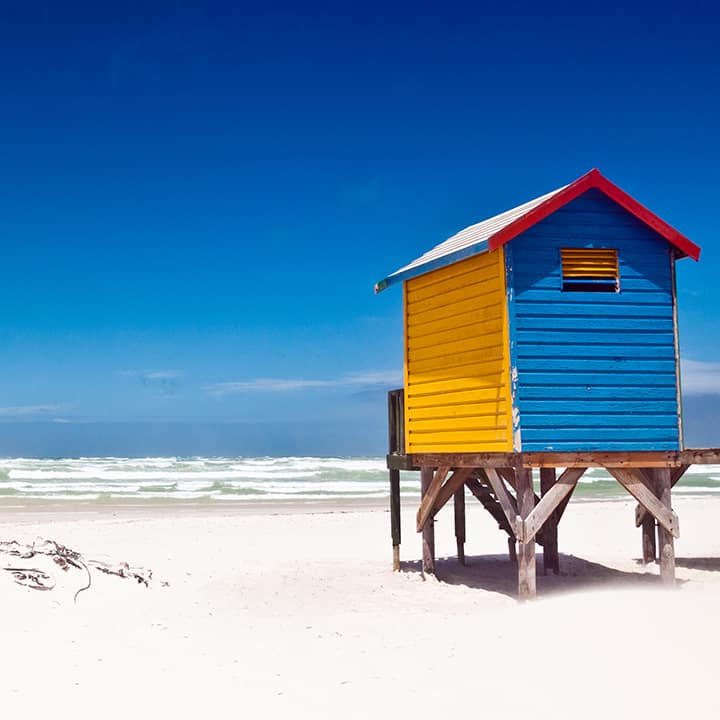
66,560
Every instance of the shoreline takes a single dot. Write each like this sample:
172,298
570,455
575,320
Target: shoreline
106,507
257,506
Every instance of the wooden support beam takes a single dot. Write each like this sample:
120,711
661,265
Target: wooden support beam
508,475
526,549
459,507
666,545
675,475
633,481
631,458
400,462
648,539
621,459
506,500
699,456
483,494
645,520
551,560
471,460
541,512
455,481
429,496
434,496
428,532
563,505
395,516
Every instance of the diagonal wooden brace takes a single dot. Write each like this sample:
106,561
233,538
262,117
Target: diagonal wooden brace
508,474
549,502
482,492
451,486
675,475
428,502
633,481
506,500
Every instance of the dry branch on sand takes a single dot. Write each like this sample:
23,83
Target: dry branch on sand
66,560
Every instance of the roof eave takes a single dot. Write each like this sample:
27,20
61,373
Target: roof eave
449,259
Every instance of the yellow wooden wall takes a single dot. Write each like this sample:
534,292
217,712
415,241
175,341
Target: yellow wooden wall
457,367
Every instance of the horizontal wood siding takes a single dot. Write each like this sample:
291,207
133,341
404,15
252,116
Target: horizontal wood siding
457,396
596,370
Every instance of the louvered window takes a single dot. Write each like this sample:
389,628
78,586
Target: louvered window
589,270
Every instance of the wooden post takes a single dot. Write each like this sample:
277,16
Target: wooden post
395,516
512,550
666,545
634,481
648,539
526,550
428,532
459,506
675,475
551,560
646,522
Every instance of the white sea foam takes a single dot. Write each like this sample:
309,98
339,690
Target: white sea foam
252,478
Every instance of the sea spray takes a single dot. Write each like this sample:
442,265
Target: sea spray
251,478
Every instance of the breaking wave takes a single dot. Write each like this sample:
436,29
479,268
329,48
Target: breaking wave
251,478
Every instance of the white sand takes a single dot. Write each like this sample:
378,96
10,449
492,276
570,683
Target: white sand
300,615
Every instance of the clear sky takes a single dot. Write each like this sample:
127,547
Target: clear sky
196,198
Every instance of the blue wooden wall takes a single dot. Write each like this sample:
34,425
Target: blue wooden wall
595,371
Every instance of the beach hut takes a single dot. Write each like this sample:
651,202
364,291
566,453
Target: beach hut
545,336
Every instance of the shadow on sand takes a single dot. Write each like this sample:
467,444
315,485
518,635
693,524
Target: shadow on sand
496,573
711,564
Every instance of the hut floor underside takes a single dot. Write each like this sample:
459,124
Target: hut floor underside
502,482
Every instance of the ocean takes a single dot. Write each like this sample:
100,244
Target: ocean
252,478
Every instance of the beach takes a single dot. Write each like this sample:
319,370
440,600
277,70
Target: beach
293,610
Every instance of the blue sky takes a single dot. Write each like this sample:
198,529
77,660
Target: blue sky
197,198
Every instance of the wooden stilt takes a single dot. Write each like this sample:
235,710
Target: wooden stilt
459,506
512,549
448,490
675,475
550,503
429,496
551,561
666,544
646,522
526,550
428,530
634,481
648,539
395,516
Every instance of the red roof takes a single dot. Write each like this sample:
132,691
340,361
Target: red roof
594,179
500,229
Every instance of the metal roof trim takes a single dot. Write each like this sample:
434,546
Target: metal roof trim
439,262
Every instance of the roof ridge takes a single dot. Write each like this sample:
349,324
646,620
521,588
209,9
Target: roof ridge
495,231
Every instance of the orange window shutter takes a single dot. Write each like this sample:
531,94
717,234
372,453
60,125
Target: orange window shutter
589,268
